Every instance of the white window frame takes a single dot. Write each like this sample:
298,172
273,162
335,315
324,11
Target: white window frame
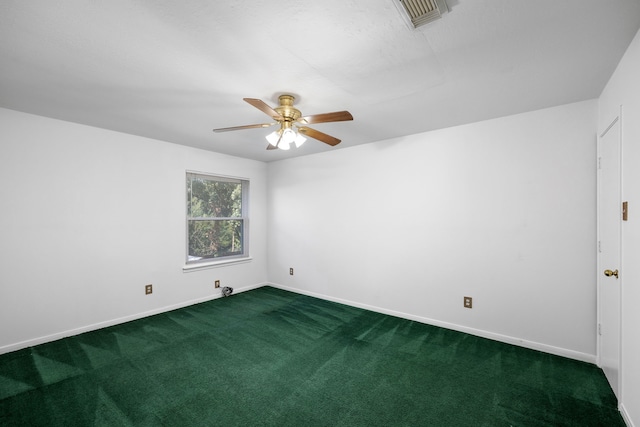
195,264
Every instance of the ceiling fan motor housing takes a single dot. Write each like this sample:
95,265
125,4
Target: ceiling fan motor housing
286,110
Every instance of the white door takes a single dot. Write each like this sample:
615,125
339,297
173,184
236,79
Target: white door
609,235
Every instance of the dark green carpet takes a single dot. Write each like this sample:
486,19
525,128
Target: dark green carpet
273,358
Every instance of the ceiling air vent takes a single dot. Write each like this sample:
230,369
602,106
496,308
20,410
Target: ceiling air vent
421,12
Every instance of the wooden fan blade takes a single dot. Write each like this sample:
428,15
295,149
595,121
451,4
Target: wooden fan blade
263,125
316,134
260,105
337,116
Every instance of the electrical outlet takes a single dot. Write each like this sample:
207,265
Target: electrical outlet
217,283
468,302
148,289
291,271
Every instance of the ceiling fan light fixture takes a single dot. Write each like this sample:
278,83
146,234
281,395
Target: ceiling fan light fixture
284,137
273,137
288,136
284,145
299,140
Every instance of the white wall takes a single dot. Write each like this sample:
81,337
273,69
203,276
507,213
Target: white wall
90,216
624,89
503,211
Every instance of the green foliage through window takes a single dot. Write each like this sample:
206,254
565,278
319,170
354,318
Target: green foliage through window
216,217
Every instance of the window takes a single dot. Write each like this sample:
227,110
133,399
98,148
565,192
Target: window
217,218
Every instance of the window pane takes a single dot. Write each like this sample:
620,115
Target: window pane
217,209
214,199
215,238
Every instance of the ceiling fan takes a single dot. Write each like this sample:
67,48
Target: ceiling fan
290,119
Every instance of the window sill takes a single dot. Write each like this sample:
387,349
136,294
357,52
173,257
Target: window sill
214,264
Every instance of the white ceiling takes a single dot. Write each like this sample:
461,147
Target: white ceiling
174,70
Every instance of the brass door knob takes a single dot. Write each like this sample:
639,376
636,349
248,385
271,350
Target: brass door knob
610,273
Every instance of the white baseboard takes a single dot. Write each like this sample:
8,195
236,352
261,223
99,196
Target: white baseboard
625,415
69,333
590,358
558,351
